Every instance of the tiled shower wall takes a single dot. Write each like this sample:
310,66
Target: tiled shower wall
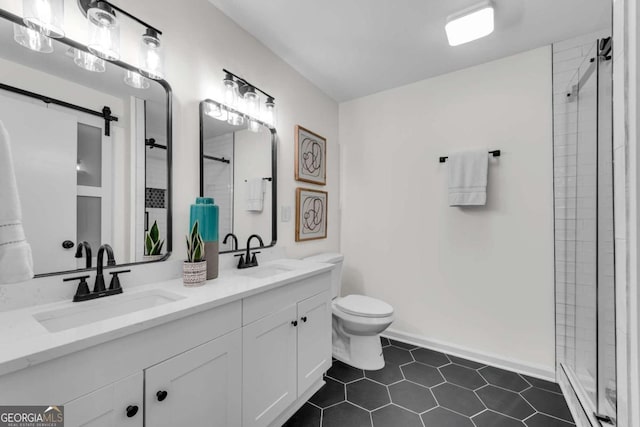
218,181
576,227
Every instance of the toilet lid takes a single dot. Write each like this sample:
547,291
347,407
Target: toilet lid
360,305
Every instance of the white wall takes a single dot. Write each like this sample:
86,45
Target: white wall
477,279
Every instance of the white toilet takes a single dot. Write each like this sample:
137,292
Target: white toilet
358,321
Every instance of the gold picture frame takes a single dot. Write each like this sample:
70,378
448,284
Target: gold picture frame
311,214
310,156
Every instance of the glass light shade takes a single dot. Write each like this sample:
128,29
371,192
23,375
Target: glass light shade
104,33
32,39
151,56
44,16
252,102
470,24
235,119
230,92
88,61
254,126
135,80
215,110
270,112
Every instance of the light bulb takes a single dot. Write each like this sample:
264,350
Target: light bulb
44,16
135,80
104,32
270,112
252,102
88,61
254,126
230,91
235,119
32,39
151,55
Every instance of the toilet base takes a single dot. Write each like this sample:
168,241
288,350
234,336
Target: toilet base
359,351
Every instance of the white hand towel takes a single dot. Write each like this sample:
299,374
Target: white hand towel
468,178
255,194
16,262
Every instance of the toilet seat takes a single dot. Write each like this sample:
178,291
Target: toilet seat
363,306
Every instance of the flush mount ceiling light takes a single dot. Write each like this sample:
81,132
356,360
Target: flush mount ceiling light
470,24
44,16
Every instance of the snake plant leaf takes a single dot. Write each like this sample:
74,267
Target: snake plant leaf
148,243
155,232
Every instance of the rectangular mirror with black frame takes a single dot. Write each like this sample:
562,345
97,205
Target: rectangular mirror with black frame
238,170
91,143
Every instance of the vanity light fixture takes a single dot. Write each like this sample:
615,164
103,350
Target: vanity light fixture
104,31
135,80
230,95
44,16
470,24
32,39
242,96
270,112
252,101
151,55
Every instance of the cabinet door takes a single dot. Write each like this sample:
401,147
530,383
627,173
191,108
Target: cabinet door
269,367
200,387
314,339
116,405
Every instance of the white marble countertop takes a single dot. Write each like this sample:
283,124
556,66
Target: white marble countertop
26,342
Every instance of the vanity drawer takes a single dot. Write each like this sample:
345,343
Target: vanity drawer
261,305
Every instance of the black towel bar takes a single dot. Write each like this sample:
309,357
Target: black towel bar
495,153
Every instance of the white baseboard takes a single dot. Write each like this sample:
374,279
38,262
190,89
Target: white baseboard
536,371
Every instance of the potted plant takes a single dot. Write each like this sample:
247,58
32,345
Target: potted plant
153,244
195,267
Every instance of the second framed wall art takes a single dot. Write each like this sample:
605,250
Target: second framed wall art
310,157
311,214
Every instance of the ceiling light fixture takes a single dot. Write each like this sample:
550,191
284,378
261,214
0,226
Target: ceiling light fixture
470,24
44,16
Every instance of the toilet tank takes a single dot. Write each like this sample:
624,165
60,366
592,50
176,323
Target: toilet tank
336,274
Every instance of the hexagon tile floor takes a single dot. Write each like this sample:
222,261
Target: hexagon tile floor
424,388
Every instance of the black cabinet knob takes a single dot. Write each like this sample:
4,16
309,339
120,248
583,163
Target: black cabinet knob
161,395
68,244
304,319
294,323
132,410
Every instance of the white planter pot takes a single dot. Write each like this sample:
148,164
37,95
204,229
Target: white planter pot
194,273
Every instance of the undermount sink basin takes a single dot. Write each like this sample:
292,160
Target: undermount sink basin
83,313
265,271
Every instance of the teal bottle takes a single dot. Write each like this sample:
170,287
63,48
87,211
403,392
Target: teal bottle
206,213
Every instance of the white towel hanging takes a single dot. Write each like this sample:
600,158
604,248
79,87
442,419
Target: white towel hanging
468,178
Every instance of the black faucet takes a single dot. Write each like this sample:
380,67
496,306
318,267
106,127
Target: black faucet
247,260
234,244
99,286
87,251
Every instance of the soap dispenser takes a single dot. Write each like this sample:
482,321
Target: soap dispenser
206,213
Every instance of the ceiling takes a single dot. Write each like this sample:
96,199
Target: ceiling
353,48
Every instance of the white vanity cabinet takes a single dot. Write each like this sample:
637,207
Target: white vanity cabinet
118,404
200,387
285,353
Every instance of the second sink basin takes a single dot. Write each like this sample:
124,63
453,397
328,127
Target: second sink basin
101,309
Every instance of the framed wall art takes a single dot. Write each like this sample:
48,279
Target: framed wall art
311,214
310,157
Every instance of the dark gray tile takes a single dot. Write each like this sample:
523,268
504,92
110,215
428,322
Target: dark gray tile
548,402
442,417
430,357
505,379
330,394
422,374
404,345
458,399
367,394
384,341
462,376
396,356
388,375
394,416
412,396
345,414
543,384
307,416
493,419
466,362
505,402
344,373
542,420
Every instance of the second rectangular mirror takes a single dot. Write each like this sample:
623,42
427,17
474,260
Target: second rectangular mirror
238,169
